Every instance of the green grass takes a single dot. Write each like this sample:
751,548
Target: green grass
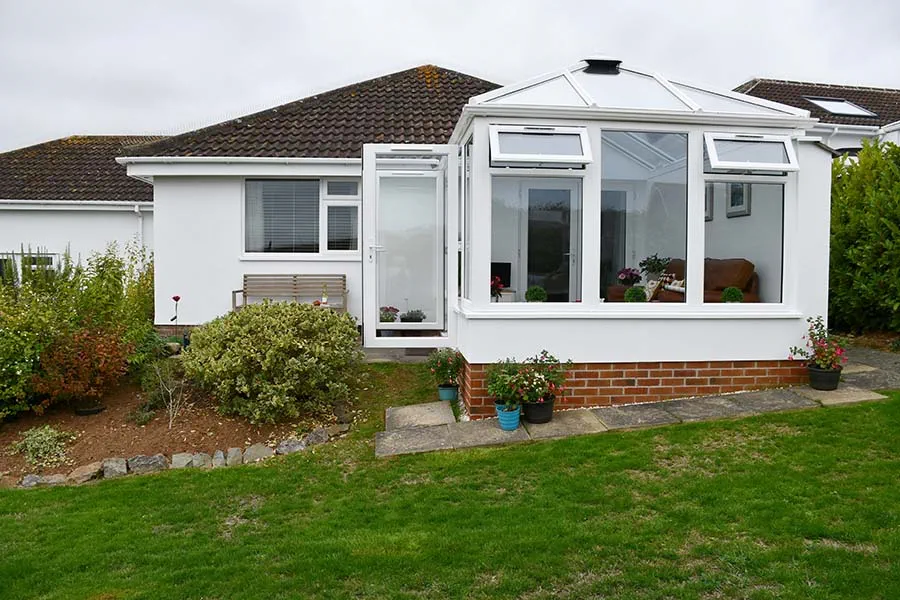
799,505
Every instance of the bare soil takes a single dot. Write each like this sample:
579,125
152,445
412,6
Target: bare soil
878,340
198,428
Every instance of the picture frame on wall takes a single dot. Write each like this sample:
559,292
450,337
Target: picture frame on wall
710,201
737,202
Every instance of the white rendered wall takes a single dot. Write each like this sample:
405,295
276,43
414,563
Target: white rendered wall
80,230
199,250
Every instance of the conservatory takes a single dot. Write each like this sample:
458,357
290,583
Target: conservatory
600,212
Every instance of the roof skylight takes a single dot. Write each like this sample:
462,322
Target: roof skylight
839,106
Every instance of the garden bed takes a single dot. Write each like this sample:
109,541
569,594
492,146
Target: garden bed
111,433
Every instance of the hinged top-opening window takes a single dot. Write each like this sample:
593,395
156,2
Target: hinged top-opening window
749,153
534,146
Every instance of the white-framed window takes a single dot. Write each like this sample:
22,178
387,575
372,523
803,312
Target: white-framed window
301,216
839,106
744,153
539,146
36,262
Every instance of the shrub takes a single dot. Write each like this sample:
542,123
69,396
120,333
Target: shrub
635,294
535,294
413,316
82,365
44,446
865,240
163,383
273,361
732,294
445,365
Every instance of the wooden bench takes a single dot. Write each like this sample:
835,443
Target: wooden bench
300,288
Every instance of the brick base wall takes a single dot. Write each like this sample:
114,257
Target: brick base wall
605,384
167,330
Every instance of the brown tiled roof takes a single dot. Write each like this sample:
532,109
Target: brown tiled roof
419,105
80,167
884,102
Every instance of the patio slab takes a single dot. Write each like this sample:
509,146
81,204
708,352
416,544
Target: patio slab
412,441
772,401
845,394
634,416
705,408
566,423
484,432
418,415
854,368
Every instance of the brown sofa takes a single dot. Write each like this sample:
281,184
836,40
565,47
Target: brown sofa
718,274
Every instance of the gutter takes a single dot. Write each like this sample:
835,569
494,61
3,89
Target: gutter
115,205
229,160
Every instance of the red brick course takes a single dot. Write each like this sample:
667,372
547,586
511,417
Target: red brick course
605,384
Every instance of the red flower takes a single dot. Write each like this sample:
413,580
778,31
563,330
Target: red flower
176,298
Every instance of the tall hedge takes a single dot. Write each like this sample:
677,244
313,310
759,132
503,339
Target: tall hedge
865,241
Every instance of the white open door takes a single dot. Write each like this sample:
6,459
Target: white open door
410,225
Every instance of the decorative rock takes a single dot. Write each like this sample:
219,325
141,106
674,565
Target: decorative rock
218,459
53,479
319,435
173,348
147,464
182,460
290,446
85,473
257,452
234,457
342,412
30,481
202,460
115,467
338,429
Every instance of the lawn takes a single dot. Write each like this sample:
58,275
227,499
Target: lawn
800,505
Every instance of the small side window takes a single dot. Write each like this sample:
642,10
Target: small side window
764,154
526,146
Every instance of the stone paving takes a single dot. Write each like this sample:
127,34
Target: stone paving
431,426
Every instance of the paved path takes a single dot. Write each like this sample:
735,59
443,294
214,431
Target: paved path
431,426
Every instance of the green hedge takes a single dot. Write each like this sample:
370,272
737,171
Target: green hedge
865,241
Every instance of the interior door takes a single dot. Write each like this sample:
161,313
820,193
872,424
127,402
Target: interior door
410,214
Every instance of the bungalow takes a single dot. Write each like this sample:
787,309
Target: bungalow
425,187
70,195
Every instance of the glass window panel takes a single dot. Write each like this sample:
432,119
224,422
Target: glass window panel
343,227
628,90
711,102
342,188
643,208
536,237
744,240
467,223
550,144
751,151
282,216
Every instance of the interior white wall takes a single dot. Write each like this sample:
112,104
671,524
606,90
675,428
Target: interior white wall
82,231
756,237
199,250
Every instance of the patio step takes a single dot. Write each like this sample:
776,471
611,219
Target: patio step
428,414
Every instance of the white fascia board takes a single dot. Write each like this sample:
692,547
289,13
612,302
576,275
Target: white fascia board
86,205
861,129
188,166
889,127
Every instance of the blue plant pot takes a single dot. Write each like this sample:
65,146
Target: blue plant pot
509,419
448,392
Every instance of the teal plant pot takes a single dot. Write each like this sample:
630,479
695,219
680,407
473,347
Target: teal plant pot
509,419
449,392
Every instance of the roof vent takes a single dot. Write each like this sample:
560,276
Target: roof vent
602,65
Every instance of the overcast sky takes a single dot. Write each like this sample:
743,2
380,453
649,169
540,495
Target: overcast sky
91,67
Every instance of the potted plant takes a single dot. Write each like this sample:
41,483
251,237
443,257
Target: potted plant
540,380
496,288
501,385
824,356
445,365
732,294
412,316
535,294
635,294
628,276
653,266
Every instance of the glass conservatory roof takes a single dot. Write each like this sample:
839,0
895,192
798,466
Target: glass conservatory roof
602,83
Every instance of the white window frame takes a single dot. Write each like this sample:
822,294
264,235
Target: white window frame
501,159
716,164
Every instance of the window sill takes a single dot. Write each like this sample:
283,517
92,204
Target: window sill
288,257
606,311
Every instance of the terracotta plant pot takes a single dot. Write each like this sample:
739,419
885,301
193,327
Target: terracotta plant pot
823,379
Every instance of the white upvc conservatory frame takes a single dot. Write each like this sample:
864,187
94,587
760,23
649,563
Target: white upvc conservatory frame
502,159
716,164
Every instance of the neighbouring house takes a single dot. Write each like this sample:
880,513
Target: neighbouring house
847,114
423,186
71,195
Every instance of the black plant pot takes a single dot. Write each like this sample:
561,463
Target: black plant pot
86,411
823,379
538,412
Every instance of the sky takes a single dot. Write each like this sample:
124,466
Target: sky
71,67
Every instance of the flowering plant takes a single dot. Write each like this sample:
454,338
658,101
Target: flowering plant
388,314
174,319
538,379
654,264
445,365
496,287
821,351
628,276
